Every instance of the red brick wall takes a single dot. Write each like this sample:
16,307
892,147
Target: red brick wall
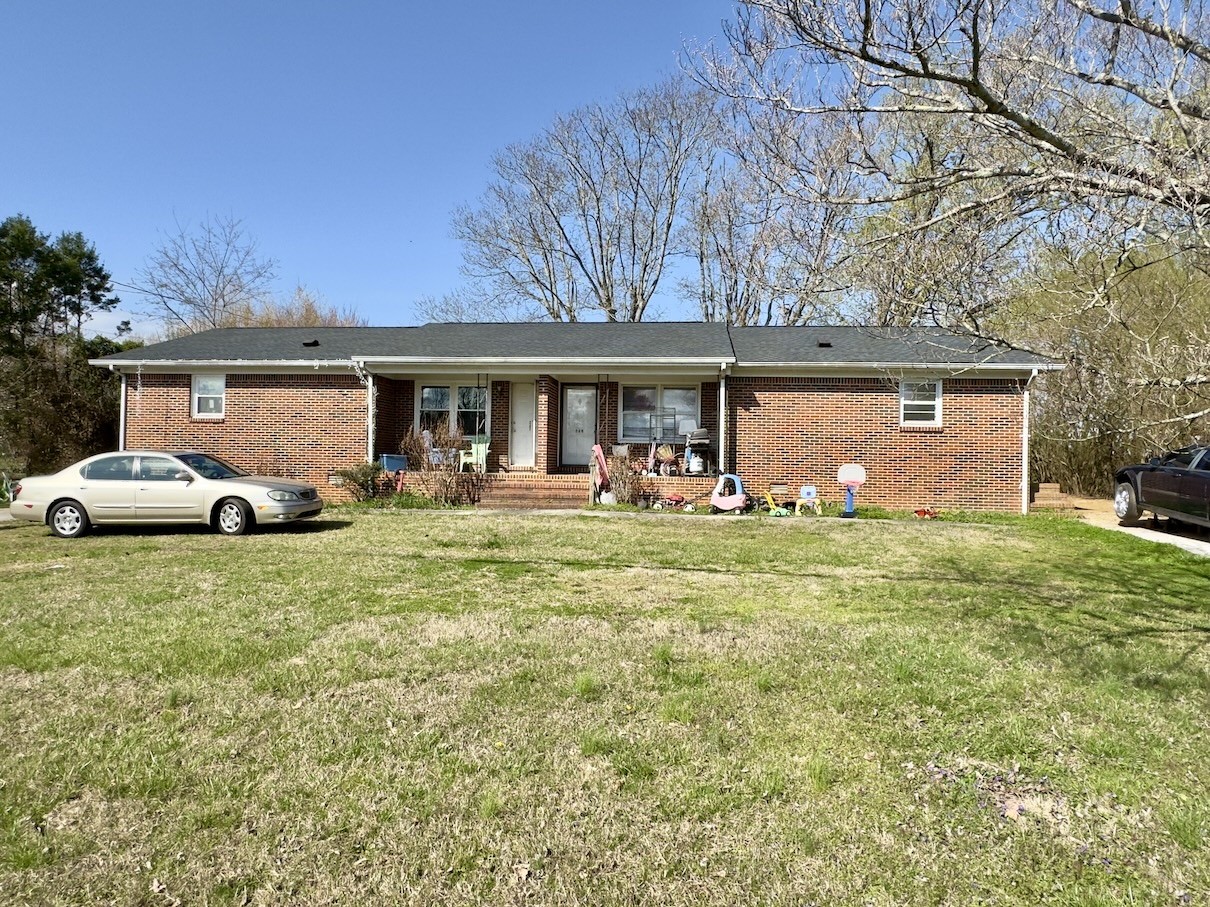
395,401
546,443
608,403
298,426
801,430
500,403
708,404
794,430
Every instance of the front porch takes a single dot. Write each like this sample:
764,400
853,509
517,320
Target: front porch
547,425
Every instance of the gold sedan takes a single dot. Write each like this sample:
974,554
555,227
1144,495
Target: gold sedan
150,486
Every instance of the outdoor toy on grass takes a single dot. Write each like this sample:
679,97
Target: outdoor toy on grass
728,495
852,477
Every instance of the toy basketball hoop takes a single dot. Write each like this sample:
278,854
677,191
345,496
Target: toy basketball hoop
852,477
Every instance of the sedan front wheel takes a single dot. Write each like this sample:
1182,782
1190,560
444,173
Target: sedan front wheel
1126,503
234,517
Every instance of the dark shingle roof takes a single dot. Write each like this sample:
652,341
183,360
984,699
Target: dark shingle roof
836,346
274,344
660,340
578,340
530,340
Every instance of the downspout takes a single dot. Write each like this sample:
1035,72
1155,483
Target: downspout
371,406
722,418
121,412
1025,445
368,380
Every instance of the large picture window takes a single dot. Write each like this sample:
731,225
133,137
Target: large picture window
920,403
656,412
208,396
461,409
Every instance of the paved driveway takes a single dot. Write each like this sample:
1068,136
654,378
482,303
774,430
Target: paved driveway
1100,513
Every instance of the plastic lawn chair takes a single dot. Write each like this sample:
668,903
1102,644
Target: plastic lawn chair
476,457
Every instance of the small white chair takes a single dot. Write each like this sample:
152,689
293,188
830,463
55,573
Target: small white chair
476,457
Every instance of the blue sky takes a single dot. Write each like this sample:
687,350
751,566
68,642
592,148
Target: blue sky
342,134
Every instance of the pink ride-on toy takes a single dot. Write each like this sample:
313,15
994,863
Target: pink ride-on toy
734,499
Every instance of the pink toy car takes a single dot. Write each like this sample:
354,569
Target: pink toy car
728,495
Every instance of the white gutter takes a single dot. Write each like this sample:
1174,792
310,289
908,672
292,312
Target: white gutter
572,363
899,366
544,361
223,363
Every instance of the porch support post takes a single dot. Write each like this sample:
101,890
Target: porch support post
722,419
371,404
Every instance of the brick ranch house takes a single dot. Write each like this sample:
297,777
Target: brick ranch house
936,419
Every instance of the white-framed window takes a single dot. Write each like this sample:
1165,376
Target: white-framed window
462,408
472,411
657,411
920,403
434,408
208,394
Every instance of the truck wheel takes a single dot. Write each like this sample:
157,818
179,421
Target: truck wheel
1126,504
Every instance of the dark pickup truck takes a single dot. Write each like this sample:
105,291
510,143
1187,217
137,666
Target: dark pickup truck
1176,485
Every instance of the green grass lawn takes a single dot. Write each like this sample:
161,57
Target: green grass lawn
451,708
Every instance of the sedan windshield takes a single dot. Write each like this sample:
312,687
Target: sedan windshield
210,467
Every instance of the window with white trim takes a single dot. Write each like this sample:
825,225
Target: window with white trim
651,412
462,407
434,408
208,395
920,403
472,411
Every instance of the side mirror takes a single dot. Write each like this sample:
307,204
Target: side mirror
1154,461
183,476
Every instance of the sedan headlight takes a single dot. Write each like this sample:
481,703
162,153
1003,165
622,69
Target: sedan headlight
278,495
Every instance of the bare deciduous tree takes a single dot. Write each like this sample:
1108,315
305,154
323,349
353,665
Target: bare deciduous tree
766,254
304,309
1060,99
582,218
988,143
477,303
206,278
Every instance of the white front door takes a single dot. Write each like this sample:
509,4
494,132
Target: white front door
524,411
577,418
